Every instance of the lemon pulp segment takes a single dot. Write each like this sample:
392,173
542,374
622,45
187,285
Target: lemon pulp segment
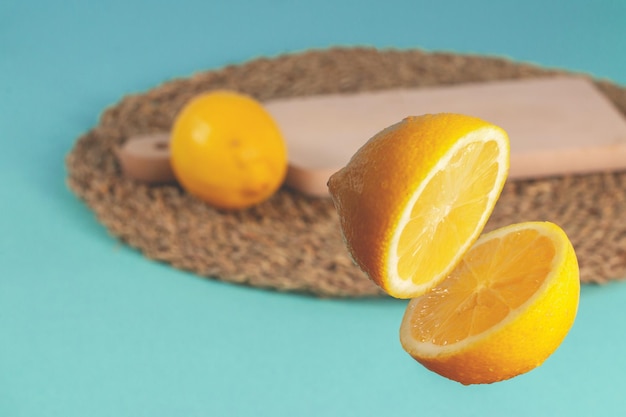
445,214
493,280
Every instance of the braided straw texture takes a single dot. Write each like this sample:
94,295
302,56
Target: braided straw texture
292,242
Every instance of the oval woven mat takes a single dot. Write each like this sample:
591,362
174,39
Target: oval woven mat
293,242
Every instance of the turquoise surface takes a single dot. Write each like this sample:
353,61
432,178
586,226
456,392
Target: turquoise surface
89,327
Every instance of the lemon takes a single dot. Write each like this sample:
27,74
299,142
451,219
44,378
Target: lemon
502,311
227,150
416,196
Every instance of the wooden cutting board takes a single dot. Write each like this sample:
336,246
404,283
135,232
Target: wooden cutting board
557,125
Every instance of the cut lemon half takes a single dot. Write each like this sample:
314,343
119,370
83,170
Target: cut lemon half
502,311
414,198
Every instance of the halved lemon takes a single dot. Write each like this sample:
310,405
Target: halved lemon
502,311
414,198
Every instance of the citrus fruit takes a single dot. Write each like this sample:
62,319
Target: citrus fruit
227,150
502,311
413,199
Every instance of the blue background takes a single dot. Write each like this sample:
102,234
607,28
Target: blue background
88,327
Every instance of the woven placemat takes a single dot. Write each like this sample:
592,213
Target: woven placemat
292,242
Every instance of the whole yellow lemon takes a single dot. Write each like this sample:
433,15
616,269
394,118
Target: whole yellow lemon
227,150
